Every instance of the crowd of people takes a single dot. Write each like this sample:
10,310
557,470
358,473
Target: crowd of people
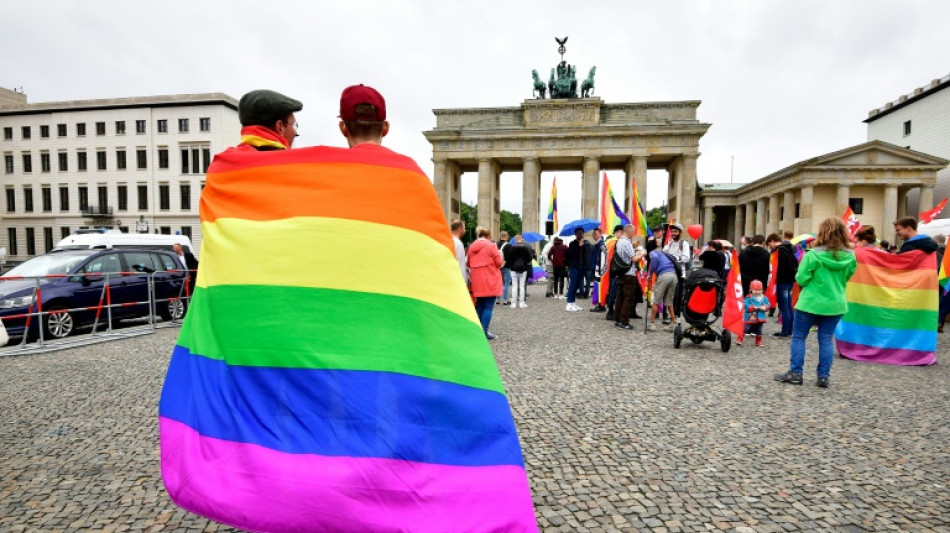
620,272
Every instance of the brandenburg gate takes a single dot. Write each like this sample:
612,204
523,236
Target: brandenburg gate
562,134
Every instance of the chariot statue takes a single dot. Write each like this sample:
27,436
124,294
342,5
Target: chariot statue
563,81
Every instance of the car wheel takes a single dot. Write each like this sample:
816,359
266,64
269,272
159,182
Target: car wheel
59,323
172,310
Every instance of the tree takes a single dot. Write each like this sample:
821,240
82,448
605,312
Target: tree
469,215
657,216
510,222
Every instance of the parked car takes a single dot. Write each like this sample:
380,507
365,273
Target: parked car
98,240
81,275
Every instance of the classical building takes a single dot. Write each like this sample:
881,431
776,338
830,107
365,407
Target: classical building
135,164
874,179
919,121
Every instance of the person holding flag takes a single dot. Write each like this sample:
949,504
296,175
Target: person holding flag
783,277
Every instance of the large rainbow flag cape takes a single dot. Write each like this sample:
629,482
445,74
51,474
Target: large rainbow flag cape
943,278
611,214
322,384
552,206
892,309
639,219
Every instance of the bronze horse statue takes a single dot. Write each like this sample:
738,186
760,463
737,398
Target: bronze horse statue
539,88
587,88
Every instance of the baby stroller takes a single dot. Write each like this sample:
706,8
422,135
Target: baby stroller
703,295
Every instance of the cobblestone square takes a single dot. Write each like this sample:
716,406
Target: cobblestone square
620,432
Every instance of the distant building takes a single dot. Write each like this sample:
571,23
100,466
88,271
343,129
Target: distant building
133,164
919,121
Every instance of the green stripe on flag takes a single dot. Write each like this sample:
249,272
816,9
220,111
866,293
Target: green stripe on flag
886,317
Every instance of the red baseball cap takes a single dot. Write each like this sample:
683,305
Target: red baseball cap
355,95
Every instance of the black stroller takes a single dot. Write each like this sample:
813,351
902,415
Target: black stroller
703,295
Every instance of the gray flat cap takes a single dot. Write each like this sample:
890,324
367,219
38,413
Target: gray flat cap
263,107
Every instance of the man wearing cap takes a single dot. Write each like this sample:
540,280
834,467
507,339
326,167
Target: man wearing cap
267,120
363,116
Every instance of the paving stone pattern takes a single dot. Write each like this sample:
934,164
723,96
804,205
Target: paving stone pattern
620,431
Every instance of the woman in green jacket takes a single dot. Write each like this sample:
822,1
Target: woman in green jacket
823,276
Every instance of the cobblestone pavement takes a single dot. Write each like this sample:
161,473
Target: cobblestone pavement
620,431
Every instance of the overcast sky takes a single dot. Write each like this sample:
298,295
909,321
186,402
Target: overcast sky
779,81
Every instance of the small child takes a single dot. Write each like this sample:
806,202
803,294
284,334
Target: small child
756,307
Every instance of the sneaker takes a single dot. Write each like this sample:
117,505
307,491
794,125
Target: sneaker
522,305
789,377
490,336
610,315
780,335
652,326
549,295
571,307
822,382
666,321
624,326
598,309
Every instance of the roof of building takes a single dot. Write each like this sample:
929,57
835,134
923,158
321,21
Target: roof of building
173,100
720,186
907,99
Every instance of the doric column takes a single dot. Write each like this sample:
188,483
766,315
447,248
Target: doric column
687,191
740,224
443,183
589,188
636,171
926,199
773,215
804,213
488,196
788,214
841,199
760,216
707,223
890,209
749,227
530,203
902,202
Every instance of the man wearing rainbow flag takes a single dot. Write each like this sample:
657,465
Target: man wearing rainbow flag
267,120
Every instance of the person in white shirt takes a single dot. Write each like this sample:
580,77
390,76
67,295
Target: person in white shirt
458,229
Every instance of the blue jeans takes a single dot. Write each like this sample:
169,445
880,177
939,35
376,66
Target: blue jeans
484,306
576,277
612,291
588,280
826,348
784,294
505,282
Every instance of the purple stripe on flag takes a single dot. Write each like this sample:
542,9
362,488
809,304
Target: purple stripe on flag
887,356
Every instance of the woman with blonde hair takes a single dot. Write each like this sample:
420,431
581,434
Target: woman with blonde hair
823,275
484,263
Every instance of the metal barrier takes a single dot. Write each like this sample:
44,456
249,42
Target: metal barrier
104,306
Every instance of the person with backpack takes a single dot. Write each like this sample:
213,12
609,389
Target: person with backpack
518,259
784,281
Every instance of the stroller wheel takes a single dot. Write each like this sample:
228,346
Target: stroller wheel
725,340
677,336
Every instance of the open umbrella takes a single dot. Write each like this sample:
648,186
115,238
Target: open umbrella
725,243
532,237
586,224
803,237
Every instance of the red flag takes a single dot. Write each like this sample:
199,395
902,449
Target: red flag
928,216
851,221
732,310
772,290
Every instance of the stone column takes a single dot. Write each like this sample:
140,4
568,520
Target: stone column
805,211
740,223
443,184
636,170
488,196
707,223
530,203
902,202
841,199
788,218
687,191
760,216
890,209
589,188
926,199
749,227
773,215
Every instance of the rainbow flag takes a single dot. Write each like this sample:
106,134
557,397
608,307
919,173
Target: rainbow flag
345,391
552,206
610,213
639,219
943,279
892,309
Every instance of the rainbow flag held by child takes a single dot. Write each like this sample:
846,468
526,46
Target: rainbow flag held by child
346,391
892,309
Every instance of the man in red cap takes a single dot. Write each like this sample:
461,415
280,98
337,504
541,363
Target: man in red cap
363,115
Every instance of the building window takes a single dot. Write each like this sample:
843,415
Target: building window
101,160
164,202
165,230
100,128
186,231
195,162
143,197
47,194
61,130
11,200
856,205
27,163
120,159
44,132
163,126
63,198
44,162
27,134
48,239
163,158
205,123
184,161
185,189
8,163
64,232
103,193
139,126
81,160
11,240
141,159
183,125
30,242
798,210
124,229
63,161
28,198
81,129
123,191
83,198
7,134
120,127
906,128
205,159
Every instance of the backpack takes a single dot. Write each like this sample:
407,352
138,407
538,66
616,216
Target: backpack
618,266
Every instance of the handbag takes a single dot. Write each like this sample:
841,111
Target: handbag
618,266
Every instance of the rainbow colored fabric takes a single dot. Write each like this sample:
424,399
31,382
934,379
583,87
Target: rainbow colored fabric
611,215
639,219
943,278
552,206
892,309
331,374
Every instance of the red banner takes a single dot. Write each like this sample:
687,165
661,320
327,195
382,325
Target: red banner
771,290
928,216
851,222
732,311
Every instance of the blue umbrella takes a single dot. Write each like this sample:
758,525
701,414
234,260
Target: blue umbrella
586,224
532,237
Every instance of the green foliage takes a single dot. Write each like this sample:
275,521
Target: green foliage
657,216
510,222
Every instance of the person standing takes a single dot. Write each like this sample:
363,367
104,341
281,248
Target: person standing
628,280
754,263
907,230
458,229
613,285
754,306
577,254
823,276
505,269
267,121
594,261
186,258
784,281
665,287
713,258
558,257
484,265
518,259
